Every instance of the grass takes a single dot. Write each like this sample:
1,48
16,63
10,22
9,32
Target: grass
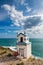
31,59
20,63
5,51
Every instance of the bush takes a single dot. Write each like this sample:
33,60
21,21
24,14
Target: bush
31,59
10,64
15,53
20,63
9,55
3,52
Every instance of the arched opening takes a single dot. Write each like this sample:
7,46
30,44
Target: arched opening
21,39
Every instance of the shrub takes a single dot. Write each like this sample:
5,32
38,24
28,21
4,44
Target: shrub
15,53
20,59
10,64
20,63
3,52
9,55
31,59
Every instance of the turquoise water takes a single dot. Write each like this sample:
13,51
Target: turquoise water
7,41
37,45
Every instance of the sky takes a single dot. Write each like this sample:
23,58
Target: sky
21,15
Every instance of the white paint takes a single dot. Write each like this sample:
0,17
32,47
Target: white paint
24,50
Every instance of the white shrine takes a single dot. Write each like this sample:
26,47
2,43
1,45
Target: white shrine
23,45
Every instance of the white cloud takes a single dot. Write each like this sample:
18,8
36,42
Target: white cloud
12,25
19,1
19,19
28,9
22,2
15,15
36,29
9,30
7,7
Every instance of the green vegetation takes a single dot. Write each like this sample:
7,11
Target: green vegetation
9,55
20,63
2,52
31,59
10,64
5,52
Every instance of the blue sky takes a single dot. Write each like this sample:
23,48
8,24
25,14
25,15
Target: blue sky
19,15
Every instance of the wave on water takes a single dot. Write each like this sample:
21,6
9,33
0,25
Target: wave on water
37,45
13,48
36,57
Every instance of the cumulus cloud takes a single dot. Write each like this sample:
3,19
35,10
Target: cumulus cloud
34,21
28,9
31,23
7,7
22,2
36,29
15,15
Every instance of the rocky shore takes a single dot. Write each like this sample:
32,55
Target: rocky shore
7,58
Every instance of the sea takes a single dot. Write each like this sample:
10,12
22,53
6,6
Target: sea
37,45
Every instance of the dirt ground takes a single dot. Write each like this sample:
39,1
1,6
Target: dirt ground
15,61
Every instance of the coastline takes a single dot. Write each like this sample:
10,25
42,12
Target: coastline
7,58
13,49
36,57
